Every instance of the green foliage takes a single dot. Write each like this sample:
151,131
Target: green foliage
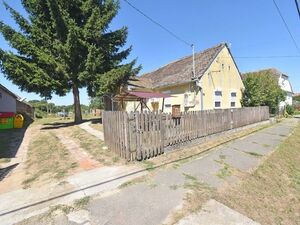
290,110
64,46
41,107
296,98
96,103
262,89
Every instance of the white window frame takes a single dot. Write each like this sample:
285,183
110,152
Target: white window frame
218,98
233,98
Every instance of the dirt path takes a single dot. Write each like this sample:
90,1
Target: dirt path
84,159
97,133
14,179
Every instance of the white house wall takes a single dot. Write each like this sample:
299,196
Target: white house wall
7,102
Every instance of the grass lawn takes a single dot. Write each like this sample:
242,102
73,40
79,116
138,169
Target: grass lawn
271,195
47,159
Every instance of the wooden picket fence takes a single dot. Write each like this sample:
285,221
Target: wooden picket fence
138,136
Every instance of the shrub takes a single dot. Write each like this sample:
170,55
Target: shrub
290,110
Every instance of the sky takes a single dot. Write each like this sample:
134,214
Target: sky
253,29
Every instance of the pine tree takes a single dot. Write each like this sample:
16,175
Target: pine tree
64,46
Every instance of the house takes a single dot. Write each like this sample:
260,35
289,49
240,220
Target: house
284,83
10,102
216,84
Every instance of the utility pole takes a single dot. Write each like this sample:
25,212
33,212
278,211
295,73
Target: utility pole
194,69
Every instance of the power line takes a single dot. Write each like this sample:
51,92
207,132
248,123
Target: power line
268,57
286,26
158,24
264,57
297,6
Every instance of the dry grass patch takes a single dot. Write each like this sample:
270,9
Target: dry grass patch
97,126
271,195
94,146
198,194
47,159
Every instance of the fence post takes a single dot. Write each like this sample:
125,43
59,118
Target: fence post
162,132
231,119
138,136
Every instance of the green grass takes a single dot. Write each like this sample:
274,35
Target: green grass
266,145
133,182
82,202
148,165
226,171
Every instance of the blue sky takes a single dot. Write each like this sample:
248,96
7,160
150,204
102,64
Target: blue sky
253,28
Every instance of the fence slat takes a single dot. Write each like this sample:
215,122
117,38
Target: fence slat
138,136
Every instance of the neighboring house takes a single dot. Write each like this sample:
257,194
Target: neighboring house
10,102
216,84
284,83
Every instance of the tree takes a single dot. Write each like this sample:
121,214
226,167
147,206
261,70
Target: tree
64,46
262,89
96,103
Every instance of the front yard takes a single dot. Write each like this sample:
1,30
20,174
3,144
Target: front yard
49,156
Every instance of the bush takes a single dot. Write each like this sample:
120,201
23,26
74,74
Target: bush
290,110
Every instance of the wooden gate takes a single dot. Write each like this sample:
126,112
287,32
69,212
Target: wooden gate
150,135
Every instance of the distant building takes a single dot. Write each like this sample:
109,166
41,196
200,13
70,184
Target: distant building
284,83
216,84
10,102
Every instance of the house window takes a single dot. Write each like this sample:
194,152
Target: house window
233,99
218,93
217,104
218,99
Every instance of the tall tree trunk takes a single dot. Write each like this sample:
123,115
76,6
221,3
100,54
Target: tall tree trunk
77,109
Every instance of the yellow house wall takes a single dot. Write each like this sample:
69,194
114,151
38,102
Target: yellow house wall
224,78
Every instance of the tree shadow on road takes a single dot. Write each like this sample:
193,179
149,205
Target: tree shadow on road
58,125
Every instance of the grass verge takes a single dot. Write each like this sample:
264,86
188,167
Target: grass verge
47,159
94,146
271,195
97,126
